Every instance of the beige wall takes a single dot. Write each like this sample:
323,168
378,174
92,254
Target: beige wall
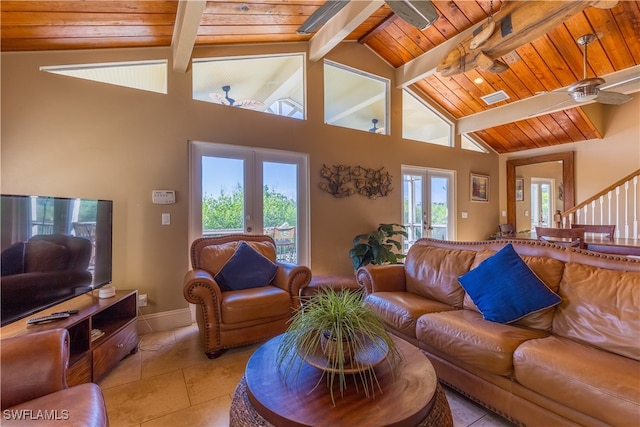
599,162
68,137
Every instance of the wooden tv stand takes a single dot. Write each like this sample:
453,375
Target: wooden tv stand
90,360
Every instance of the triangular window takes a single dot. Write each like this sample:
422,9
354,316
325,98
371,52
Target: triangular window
144,75
421,123
470,144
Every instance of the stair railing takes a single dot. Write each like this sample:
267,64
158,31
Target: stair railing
617,204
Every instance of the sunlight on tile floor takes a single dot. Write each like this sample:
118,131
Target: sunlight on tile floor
170,382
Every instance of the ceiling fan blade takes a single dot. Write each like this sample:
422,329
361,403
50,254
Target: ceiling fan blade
249,104
612,98
421,14
321,16
219,99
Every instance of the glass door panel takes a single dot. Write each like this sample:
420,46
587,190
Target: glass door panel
223,196
280,207
542,206
412,211
439,207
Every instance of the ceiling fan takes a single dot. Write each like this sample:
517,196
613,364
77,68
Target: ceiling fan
594,88
419,13
250,104
375,128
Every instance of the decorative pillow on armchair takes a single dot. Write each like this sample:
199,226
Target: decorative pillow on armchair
246,268
505,289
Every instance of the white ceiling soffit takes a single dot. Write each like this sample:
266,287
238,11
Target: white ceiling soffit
545,103
185,32
340,26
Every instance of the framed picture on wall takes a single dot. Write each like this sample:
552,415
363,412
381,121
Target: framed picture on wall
479,188
519,190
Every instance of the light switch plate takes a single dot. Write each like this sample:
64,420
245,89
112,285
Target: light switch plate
163,197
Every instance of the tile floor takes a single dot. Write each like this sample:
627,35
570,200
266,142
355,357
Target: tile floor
170,382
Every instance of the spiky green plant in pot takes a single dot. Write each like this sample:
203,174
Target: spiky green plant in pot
341,319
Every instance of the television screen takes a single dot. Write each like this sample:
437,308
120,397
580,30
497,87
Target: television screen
53,249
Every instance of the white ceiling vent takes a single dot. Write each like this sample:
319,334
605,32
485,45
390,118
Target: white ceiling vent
494,97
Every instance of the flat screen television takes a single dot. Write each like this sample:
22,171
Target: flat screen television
53,249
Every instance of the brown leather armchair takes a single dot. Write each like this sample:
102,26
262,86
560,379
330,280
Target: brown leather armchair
233,318
34,385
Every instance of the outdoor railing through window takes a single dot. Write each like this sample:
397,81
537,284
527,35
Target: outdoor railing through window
285,239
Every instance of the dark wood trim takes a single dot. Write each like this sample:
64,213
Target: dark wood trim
568,173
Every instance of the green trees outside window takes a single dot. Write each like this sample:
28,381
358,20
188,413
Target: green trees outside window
226,210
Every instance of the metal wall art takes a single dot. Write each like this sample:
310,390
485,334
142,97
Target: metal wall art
344,181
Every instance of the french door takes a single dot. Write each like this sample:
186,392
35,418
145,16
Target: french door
427,204
542,202
253,191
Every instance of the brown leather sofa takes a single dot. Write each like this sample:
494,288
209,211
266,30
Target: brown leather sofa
233,318
34,385
577,363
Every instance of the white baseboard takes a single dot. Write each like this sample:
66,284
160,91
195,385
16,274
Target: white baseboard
163,321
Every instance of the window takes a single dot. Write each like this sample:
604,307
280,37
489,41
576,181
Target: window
469,144
271,84
354,99
421,123
253,191
143,75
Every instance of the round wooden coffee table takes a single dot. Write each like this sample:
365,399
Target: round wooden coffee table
410,396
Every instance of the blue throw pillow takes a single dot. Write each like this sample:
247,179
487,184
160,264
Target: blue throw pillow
247,268
505,289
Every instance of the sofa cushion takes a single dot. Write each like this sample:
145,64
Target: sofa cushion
549,270
433,273
41,255
401,310
247,268
600,307
214,257
505,289
466,336
594,382
254,304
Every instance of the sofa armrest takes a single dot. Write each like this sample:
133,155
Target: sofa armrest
33,365
292,278
382,278
199,287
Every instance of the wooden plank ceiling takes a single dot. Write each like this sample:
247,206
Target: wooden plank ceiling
548,63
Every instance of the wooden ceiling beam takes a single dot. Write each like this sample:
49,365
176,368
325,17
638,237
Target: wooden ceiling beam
540,104
425,64
185,32
340,26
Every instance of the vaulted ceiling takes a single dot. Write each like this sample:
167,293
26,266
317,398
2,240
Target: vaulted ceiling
533,116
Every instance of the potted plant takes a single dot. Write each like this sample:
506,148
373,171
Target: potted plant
335,332
377,247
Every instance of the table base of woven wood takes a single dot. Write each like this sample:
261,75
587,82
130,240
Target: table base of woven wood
243,414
